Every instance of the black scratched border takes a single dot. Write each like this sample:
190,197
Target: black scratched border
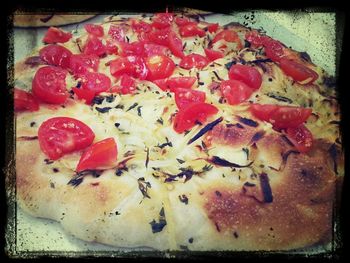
9,146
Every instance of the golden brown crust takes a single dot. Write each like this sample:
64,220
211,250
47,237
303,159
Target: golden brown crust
46,20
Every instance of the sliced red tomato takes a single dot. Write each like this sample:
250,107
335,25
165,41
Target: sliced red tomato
101,155
140,26
159,37
182,21
94,46
194,61
301,137
96,30
127,85
61,135
212,28
180,82
235,91
154,49
56,55
81,63
117,32
131,65
274,49
111,47
187,117
162,20
281,116
191,29
121,66
161,83
24,101
131,49
49,85
247,74
228,36
213,54
175,45
96,82
84,94
254,38
159,67
298,71
56,35
184,97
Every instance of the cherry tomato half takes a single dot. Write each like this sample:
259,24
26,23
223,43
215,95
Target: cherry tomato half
159,67
154,49
96,82
117,32
56,35
182,21
187,117
56,55
94,46
247,74
132,65
175,45
228,36
301,137
184,97
84,94
24,101
281,116
235,91
81,63
61,135
162,20
96,30
298,71
100,155
213,54
49,85
194,61
191,29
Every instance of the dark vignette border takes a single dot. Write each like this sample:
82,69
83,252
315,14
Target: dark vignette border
336,254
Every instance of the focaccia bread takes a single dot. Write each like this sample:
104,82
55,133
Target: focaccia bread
46,20
176,134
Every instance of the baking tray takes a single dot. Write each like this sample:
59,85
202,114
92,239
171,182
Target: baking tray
314,32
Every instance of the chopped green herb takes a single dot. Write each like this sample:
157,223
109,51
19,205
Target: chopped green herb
143,186
132,106
160,120
180,161
139,111
158,226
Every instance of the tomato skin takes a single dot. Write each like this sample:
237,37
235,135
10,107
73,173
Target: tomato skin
298,71
111,47
213,54
24,101
117,33
194,61
184,97
162,20
140,26
235,91
301,137
247,74
56,55
131,65
94,46
161,83
56,35
180,82
187,117
281,116
228,36
175,45
212,28
159,67
84,94
96,82
154,49
182,21
81,63
131,49
159,37
61,135
127,85
100,155
49,85
95,30
191,29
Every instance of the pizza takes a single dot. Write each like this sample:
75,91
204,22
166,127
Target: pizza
47,20
169,132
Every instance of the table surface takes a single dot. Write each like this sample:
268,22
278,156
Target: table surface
303,31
